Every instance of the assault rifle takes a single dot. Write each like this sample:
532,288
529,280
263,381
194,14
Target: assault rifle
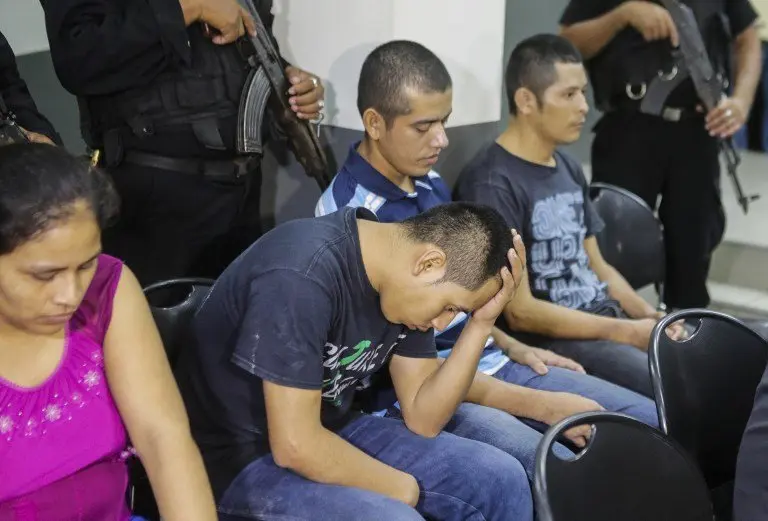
267,87
692,61
10,132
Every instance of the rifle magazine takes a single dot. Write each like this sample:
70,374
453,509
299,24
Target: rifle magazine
253,104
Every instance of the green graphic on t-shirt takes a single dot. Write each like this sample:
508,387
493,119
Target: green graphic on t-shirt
359,348
359,357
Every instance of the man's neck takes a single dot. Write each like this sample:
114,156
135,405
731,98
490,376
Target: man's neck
374,246
370,153
524,142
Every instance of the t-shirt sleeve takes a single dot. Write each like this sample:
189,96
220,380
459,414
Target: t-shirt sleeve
417,344
284,329
491,193
582,10
741,14
592,220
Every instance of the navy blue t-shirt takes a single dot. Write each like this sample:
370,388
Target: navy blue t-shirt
296,309
550,207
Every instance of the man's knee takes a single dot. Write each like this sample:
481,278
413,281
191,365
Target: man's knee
621,364
491,470
496,471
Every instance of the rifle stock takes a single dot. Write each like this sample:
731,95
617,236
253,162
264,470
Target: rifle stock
709,86
267,87
659,89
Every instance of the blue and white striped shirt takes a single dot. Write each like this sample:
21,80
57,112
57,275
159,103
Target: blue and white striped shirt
358,183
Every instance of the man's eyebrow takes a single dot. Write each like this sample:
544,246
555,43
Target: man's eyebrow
432,120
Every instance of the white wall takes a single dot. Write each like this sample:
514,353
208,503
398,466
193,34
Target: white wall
23,24
316,35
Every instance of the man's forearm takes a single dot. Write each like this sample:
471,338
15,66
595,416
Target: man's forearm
533,315
325,457
748,65
514,399
619,289
446,388
179,481
591,37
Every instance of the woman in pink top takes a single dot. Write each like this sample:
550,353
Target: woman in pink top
82,366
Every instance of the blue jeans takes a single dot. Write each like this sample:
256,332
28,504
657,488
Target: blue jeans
460,479
611,396
520,437
620,364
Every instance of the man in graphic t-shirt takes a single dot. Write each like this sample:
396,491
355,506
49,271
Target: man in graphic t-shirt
309,311
573,302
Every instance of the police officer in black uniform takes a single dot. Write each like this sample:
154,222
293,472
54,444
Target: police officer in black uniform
158,85
16,99
626,44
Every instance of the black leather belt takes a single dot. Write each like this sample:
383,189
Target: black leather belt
231,170
668,113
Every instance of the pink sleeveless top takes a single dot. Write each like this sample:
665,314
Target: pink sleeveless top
62,443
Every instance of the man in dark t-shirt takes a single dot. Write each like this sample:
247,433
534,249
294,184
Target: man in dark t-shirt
573,302
306,314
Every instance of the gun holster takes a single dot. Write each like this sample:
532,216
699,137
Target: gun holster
113,151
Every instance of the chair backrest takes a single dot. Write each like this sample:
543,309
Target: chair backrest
629,471
705,386
174,303
632,240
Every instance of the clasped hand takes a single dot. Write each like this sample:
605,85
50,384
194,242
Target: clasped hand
510,282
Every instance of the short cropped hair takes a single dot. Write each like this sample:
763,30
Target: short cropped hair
474,237
393,67
532,65
40,185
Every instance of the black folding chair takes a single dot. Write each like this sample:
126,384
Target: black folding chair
704,388
629,471
173,304
633,238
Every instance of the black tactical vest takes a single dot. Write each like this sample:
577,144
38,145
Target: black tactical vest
629,60
201,95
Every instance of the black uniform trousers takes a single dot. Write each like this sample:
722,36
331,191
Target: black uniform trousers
678,160
178,224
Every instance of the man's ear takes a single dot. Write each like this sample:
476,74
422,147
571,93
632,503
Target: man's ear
526,101
430,264
374,124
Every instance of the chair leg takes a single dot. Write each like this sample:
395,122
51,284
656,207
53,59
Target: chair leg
722,501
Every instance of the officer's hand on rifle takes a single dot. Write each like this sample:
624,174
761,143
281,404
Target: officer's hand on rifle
307,93
36,137
650,20
227,17
727,118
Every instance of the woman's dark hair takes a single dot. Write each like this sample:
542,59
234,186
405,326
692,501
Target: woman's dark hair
40,184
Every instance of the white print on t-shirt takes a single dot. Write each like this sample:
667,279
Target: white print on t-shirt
559,264
346,365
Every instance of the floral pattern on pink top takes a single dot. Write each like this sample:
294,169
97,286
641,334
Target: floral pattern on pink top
70,421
